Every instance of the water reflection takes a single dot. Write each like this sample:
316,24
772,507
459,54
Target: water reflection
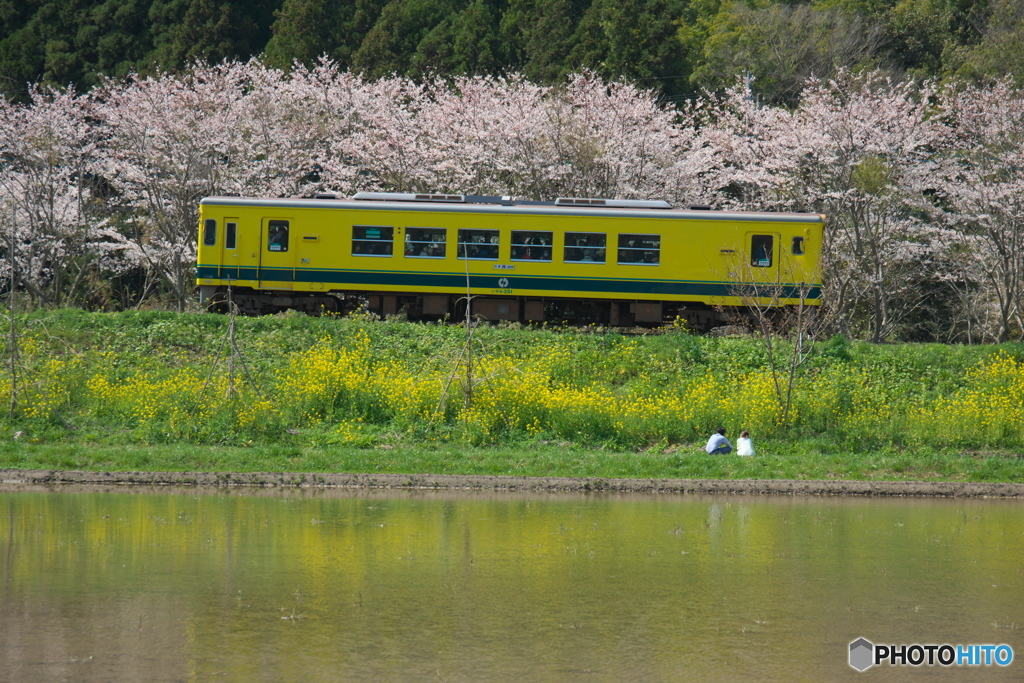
323,585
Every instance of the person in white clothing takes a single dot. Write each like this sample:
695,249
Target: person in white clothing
718,444
744,445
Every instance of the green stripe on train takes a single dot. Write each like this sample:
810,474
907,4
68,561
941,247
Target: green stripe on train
457,281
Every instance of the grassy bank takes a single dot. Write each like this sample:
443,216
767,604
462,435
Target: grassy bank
326,394
531,460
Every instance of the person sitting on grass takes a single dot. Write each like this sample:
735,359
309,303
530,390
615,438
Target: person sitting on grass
718,444
744,444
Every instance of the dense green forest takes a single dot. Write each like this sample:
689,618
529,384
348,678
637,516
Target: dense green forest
674,46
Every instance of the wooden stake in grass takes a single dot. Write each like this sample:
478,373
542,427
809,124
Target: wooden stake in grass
13,342
465,356
233,353
468,392
231,341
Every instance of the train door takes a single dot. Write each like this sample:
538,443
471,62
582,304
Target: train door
246,236
229,253
277,254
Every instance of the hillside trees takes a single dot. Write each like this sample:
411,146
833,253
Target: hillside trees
674,46
783,45
999,48
392,46
536,34
37,44
306,30
677,47
632,39
302,32
210,30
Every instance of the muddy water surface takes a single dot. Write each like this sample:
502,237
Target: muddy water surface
183,585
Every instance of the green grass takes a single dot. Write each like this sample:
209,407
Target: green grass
777,461
557,401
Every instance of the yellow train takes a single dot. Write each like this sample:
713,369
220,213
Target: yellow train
616,262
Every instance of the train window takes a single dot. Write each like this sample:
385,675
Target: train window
478,244
210,232
531,245
230,235
584,247
798,245
425,242
761,250
277,235
372,240
642,249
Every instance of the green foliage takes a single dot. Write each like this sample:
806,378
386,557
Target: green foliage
676,46
873,176
150,378
305,30
393,45
301,32
999,49
634,40
190,30
921,30
837,348
781,45
73,42
536,34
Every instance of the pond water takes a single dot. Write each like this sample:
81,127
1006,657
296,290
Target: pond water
183,585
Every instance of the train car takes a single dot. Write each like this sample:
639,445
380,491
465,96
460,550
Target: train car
608,261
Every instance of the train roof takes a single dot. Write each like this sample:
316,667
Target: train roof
563,206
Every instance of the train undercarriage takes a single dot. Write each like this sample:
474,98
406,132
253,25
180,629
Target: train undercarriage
437,307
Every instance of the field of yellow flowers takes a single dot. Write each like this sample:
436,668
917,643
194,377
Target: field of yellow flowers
152,378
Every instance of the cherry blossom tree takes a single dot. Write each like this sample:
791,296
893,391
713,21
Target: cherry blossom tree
169,141
758,148
327,110
615,139
982,182
485,135
54,238
857,148
870,175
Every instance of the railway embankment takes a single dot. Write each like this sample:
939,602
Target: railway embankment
165,392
